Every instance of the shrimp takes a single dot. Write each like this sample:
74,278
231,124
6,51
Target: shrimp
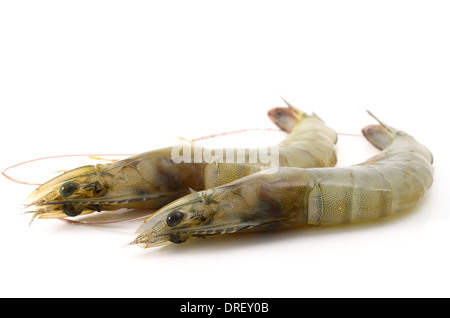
289,197
153,179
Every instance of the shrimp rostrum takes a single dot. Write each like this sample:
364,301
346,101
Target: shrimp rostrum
153,179
287,197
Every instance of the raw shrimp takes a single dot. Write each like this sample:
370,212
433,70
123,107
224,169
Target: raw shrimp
276,199
153,179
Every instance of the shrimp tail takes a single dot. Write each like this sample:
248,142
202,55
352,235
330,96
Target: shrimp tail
381,135
286,118
283,117
377,135
297,111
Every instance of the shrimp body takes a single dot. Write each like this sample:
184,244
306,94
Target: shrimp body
153,179
287,197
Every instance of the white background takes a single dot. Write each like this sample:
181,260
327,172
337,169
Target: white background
130,76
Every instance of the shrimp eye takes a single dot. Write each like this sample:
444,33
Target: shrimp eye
174,218
68,188
178,239
72,209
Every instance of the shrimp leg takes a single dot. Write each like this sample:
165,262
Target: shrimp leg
153,179
394,179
